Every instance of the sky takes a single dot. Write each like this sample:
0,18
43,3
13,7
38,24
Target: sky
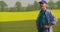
11,3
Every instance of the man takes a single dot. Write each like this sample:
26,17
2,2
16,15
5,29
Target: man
45,19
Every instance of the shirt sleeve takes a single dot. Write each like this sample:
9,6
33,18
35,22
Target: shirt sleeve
53,18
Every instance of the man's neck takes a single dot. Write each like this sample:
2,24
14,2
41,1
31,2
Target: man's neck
44,9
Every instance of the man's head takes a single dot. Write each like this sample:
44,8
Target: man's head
43,4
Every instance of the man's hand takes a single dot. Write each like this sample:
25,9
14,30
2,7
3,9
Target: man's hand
46,26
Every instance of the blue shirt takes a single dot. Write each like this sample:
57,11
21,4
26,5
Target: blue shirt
45,18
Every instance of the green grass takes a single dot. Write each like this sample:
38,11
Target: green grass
23,26
18,26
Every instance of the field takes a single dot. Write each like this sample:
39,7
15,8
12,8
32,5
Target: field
19,16
23,26
23,21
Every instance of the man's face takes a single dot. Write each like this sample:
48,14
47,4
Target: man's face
43,6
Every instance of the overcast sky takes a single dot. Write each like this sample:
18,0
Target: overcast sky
11,3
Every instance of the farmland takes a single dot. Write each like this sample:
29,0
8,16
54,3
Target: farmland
19,16
23,21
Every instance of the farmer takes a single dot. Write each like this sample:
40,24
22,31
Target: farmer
45,19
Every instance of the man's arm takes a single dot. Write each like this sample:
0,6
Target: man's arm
54,19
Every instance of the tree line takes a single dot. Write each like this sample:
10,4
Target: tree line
31,7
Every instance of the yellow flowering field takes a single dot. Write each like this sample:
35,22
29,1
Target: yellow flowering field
19,16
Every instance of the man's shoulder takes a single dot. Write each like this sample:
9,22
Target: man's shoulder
48,11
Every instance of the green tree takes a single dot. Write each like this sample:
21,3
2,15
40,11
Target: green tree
29,7
51,4
23,9
18,6
58,4
3,5
36,5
